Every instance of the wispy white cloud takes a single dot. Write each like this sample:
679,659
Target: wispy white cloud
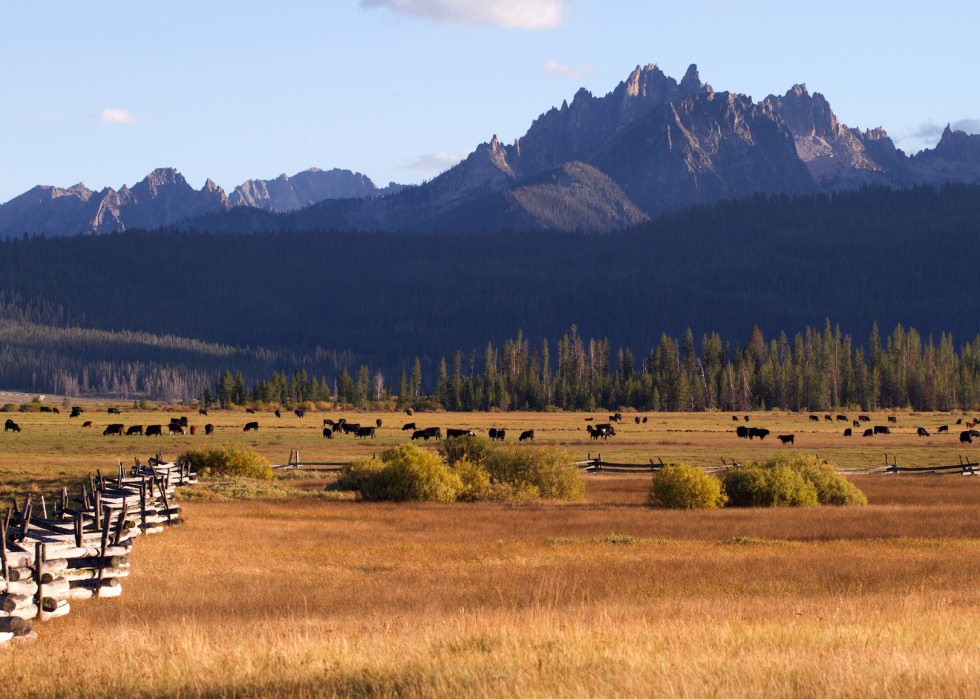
928,133
505,14
117,116
435,162
967,125
554,67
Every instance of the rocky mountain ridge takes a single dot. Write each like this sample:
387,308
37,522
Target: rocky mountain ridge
652,144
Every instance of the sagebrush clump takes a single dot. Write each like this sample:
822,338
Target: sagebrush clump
789,480
685,487
235,460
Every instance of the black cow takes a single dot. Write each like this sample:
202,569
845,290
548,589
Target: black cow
175,428
974,433
175,421
408,426
734,418
135,429
966,437
619,416
250,411
114,429
613,418
501,434
364,432
864,418
113,411
183,422
348,428
786,438
759,432
434,432
637,420
327,422
45,409
892,418
203,412
378,422
921,431
589,419
209,429
856,423
869,433
847,432
742,432
814,418
409,413
828,418
603,431
249,426
450,433
55,411
529,434
420,434
882,429
154,430
944,428
842,418
11,426
327,433
960,421
299,413
746,418
278,414
644,420
75,411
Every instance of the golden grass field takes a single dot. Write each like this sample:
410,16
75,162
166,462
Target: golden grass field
604,597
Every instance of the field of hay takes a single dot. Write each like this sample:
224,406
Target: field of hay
300,597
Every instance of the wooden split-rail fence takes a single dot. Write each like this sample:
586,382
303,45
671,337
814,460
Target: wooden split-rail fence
597,464
963,468
80,549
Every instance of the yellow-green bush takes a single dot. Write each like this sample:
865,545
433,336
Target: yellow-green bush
685,487
409,473
549,470
356,472
786,480
9,408
227,460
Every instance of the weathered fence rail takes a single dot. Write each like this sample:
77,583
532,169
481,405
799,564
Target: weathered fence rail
81,550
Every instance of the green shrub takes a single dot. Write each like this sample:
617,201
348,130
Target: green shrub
547,469
409,473
685,487
356,472
472,449
235,460
9,408
789,480
477,486
832,488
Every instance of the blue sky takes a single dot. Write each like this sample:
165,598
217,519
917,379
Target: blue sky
104,92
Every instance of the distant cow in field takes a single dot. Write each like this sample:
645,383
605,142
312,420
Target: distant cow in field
175,428
113,411
364,432
55,411
492,434
746,418
278,414
327,422
154,430
434,432
501,434
734,418
960,421
944,428
828,418
892,418
11,425
175,421
299,413
75,411
135,429
420,434
209,429
966,437
786,438
193,430
603,431
378,422
842,418
250,411
408,426
203,412
613,418
637,420
408,412
529,434
249,426
759,432
183,421
742,432
882,429
113,429
327,433
921,431
589,419
451,433
45,409
814,418
869,433
847,432
87,423
856,423
348,428
644,420
864,418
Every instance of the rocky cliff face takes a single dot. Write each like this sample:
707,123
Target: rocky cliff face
956,158
162,198
304,189
703,149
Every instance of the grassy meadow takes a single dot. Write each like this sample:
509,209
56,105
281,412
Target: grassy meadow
321,597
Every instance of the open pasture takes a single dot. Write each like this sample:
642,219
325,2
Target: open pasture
54,448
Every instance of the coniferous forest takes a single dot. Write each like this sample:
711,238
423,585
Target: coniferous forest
711,307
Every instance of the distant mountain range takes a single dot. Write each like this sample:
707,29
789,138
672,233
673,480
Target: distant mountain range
600,163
